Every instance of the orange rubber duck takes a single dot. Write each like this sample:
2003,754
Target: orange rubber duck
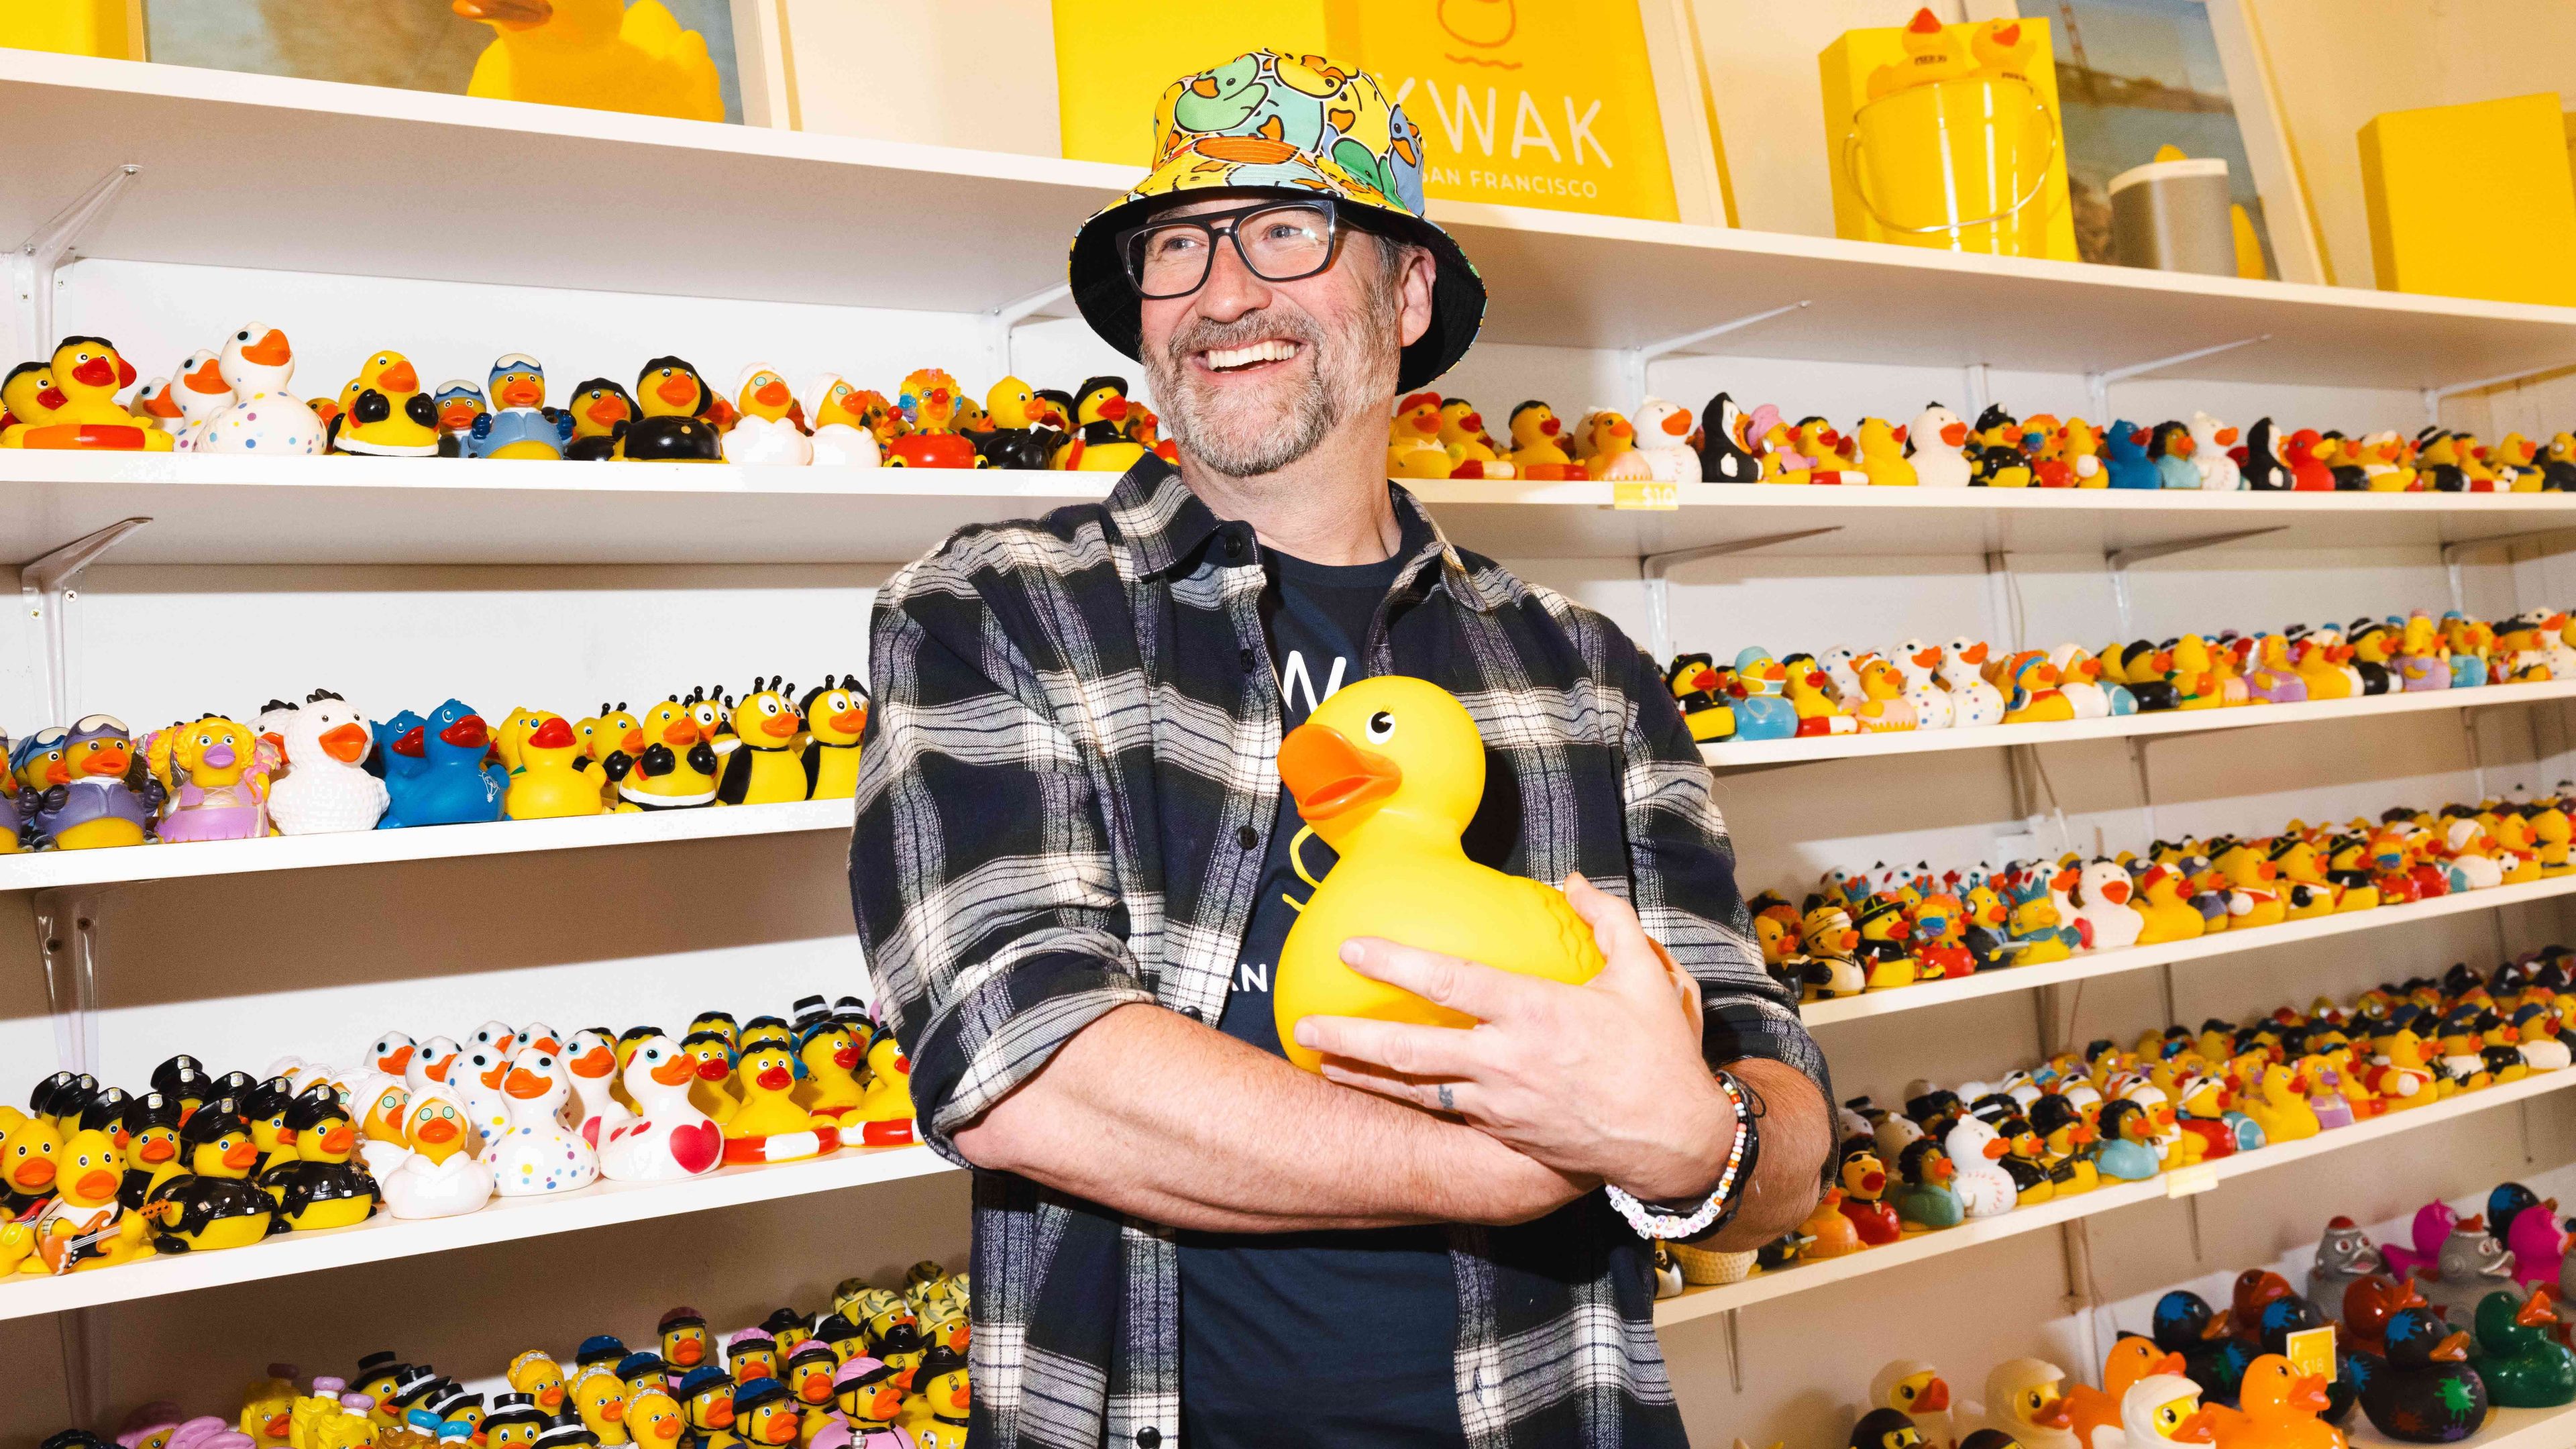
2130,1360
2277,1408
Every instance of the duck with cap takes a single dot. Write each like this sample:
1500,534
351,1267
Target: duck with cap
706,1399
514,1423
460,406
87,373
324,1187
96,793
643,1369
520,425
536,1374
684,1339
212,1205
2026,1403
1916,1390
766,1415
266,418
444,1175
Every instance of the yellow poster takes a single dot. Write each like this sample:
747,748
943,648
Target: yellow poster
1547,103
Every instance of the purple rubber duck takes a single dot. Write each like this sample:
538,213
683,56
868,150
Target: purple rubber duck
91,797
2433,1224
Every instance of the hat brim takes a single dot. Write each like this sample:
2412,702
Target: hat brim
1109,301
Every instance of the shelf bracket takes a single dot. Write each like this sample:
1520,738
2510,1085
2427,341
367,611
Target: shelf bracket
2451,553
2121,560
1734,1349
84,1338
2099,383
1005,320
2434,396
33,265
1632,362
1652,567
45,588
67,939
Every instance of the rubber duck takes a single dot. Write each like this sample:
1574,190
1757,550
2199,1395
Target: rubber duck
1538,438
1883,457
2003,50
1606,444
1916,1390
2273,678
2211,440
600,410
941,1388
677,767
2170,448
1762,709
2538,1243
769,1126
152,1151
835,715
766,769
2184,1325
685,1343
94,792
2368,1304
2034,925
1388,771
519,424
28,394
1984,1189
2281,1110
764,433
215,788
384,413
76,407
2165,914
1099,445
2026,1404
830,1055
1931,448
2470,1265
444,1175
323,1187
2128,1143
671,425
212,1205
2070,1146
885,1114
85,1225
1885,1428
1863,1179
262,415
1928,1201
2423,1390
1882,707
537,1155
451,787
2124,457
2131,1361
460,405
1818,712
2103,913
868,1393
2522,1364
1723,456
597,54
378,1104
1932,55
555,778
1974,702
2278,1407
593,1110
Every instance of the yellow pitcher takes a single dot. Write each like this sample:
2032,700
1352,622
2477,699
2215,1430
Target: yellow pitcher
1956,165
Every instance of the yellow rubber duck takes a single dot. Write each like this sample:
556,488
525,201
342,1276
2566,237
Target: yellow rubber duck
1462,437
769,1126
601,409
831,1087
267,1408
1388,772
84,1223
1098,444
2279,1107
712,1092
1537,443
1818,713
554,777
2003,49
2169,917
599,1396
1932,54
1882,455
835,716
886,1112
602,54
1413,439
85,375
766,770
383,412
681,773
28,396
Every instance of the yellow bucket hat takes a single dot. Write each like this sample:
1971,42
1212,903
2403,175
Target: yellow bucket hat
1267,123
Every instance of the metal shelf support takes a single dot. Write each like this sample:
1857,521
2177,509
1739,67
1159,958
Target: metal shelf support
1652,568
1004,322
2098,384
32,266
45,589
2434,396
67,941
2121,560
1632,362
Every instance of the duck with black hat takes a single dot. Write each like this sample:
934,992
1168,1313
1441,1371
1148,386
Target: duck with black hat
1074,868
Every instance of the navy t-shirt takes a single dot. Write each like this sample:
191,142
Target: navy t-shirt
1301,1339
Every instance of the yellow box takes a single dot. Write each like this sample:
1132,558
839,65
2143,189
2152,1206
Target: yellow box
2423,173
2045,226
1546,103
109,28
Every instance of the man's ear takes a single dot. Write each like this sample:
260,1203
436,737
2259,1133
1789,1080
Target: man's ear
1421,268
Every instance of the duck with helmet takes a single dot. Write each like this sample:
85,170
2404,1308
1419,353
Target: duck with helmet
97,792
212,1205
672,424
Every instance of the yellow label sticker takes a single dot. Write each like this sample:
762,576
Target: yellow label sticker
1650,497
2185,1181
2312,1351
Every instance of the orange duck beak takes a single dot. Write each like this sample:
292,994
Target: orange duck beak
1329,776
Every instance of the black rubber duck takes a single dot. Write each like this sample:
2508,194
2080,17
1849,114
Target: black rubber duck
1722,455
325,1187
673,427
601,410
1886,1429
2184,1323
152,1150
2263,469
212,1204
2423,1391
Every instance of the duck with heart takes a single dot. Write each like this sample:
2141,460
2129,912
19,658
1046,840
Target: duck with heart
669,1137
537,1155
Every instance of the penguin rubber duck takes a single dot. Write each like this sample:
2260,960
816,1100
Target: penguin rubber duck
1722,454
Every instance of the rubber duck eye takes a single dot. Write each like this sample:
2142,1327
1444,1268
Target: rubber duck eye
1381,726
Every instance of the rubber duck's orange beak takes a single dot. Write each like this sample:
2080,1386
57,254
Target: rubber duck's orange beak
242,1156
2200,1428
2535,1311
597,1062
781,726
508,14
525,1085
32,1174
110,761
680,733
1329,776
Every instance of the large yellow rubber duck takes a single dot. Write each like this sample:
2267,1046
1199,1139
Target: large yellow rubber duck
1388,772
603,54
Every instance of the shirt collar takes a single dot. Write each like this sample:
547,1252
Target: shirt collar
1166,524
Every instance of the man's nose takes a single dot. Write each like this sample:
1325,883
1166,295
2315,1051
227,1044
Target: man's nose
1231,290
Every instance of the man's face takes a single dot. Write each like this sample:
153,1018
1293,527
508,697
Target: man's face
1252,375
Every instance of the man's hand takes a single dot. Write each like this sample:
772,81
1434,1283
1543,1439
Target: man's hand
1599,1080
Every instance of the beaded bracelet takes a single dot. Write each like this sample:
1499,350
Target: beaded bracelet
1722,1203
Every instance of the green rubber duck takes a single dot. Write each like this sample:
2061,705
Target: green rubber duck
2523,1366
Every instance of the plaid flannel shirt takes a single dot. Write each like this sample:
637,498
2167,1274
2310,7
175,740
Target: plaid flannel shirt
1069,785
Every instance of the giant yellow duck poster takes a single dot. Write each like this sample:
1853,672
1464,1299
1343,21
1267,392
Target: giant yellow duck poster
651,57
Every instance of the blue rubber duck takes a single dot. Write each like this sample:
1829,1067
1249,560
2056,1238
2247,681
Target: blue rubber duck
2170,445
2124,457
520,424
451,785
1762,707
2212,1357
398,745
2127,1153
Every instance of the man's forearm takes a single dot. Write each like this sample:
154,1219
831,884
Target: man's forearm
1797,1132
1157,1116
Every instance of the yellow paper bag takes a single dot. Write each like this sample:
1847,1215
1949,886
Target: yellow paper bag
2421,172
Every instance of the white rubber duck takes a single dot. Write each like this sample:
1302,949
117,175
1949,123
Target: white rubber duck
2210,441
327,789
2102,893
390,1054
265,418
201,393
2468,859
1934,441
373,1094
836,444
669,1138
432,1064
444,1175
2026,1402
1973,701
2160,1409
1663,440
592,1110
1920,663
1984,1188
476,1081
2151,1099
536,1155
764,433
498,1037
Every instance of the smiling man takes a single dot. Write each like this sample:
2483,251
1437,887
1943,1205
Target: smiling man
1073,860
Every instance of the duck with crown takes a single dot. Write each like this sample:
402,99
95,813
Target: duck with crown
1206,816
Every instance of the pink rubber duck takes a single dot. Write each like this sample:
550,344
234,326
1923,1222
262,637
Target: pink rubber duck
2538,1243
2433,1224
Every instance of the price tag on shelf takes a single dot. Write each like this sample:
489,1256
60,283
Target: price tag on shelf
2185,1181
2312,1351
1645,497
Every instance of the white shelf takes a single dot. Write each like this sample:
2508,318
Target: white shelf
814,218
502,1220
236,509
2504,1429
54,869
1702,1302
1746,753
2140,958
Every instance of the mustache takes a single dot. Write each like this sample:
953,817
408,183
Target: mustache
1205,335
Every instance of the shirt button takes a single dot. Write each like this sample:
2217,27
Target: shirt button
1233,549
1193,1013
1247,837
1148,1437
1246,657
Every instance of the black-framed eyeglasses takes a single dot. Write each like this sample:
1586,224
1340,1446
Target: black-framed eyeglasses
1278,241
